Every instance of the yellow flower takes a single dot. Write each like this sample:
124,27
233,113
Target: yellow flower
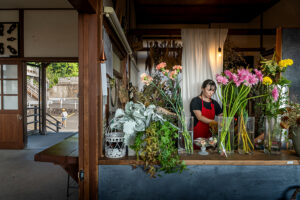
267,80
282,64
285,63
289,62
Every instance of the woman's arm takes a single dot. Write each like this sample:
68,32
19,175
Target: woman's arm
201,118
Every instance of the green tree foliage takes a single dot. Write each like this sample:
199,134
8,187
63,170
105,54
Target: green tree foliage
58,70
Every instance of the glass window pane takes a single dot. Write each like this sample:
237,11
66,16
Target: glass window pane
10,87
10,71
10,103
0,87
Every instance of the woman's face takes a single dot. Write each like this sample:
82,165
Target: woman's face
208,91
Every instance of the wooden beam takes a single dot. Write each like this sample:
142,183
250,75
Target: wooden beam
42,59
84,6
88,104
278,44
202,2
177,32
21,33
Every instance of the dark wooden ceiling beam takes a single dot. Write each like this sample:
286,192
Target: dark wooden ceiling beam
199,12
200,2
84,6
177,32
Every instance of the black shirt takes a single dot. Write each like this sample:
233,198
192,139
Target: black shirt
196,104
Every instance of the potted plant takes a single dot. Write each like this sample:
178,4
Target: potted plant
136,117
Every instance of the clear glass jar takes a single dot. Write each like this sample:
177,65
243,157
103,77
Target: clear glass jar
246,135
273,131
225,135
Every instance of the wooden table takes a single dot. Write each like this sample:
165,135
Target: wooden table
64,154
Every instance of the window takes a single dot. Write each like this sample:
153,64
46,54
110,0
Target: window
8,87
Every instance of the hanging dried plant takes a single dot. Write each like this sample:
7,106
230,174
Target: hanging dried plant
232,58
169,52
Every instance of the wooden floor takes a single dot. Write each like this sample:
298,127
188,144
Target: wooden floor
66,153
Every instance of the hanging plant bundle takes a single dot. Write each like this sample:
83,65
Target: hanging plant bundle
156,147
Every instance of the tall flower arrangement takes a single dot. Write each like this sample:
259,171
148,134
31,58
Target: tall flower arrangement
235,88
172,96
276,86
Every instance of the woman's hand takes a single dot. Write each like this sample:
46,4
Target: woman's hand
214,126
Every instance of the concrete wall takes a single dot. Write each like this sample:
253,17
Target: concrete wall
200,182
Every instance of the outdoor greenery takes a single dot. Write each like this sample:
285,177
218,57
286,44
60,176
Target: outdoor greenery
58,70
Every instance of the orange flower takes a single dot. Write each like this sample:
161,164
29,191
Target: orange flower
177,67
173,74
161,66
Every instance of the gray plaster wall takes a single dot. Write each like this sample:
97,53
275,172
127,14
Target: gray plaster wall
200,182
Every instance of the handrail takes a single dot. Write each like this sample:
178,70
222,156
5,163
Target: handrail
36,115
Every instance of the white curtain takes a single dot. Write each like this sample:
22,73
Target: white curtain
200,60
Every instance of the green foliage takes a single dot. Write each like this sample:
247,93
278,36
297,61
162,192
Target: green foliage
58,70
157,149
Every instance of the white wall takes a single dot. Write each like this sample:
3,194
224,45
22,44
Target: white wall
9,16
50,33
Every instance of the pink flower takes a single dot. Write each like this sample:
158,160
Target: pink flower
228,74
275,93
143,76
252,79
177,67
161,65
146,79
259,75
221,79
173,74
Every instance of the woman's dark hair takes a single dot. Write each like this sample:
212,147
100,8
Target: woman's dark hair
209,82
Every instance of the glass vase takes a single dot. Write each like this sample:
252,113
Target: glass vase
246,135
186,131
225,135
273,131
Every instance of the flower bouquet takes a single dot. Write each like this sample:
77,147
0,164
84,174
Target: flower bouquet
173,96
275,102
235,88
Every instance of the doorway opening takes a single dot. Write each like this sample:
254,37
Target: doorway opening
51,103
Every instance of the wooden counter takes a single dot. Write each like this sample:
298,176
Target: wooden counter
65,154
257,158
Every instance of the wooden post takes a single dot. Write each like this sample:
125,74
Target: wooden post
44,100
88,105
278,44
35,118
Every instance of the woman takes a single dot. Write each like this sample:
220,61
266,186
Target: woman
204,109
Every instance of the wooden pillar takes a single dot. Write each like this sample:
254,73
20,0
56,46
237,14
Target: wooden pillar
44,99
88,105
278,44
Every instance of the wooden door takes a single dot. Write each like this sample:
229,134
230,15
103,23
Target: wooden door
11,109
